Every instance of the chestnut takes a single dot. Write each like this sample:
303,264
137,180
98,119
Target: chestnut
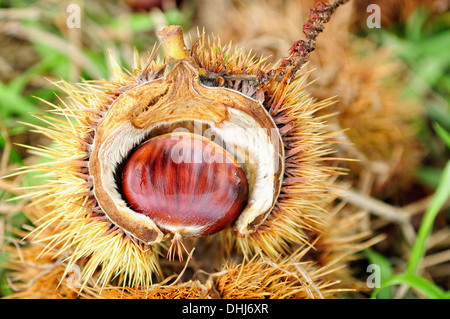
152,197
187,184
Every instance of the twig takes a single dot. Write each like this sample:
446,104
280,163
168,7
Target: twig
299,52
439,238
435,259
375,206
184,268
304,274
10,187
19,14
381,209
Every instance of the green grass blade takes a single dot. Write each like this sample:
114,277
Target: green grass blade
430,290
14,103
439,198
443,134
13,156
429,176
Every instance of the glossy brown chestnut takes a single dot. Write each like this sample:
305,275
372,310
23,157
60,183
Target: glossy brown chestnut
185,183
